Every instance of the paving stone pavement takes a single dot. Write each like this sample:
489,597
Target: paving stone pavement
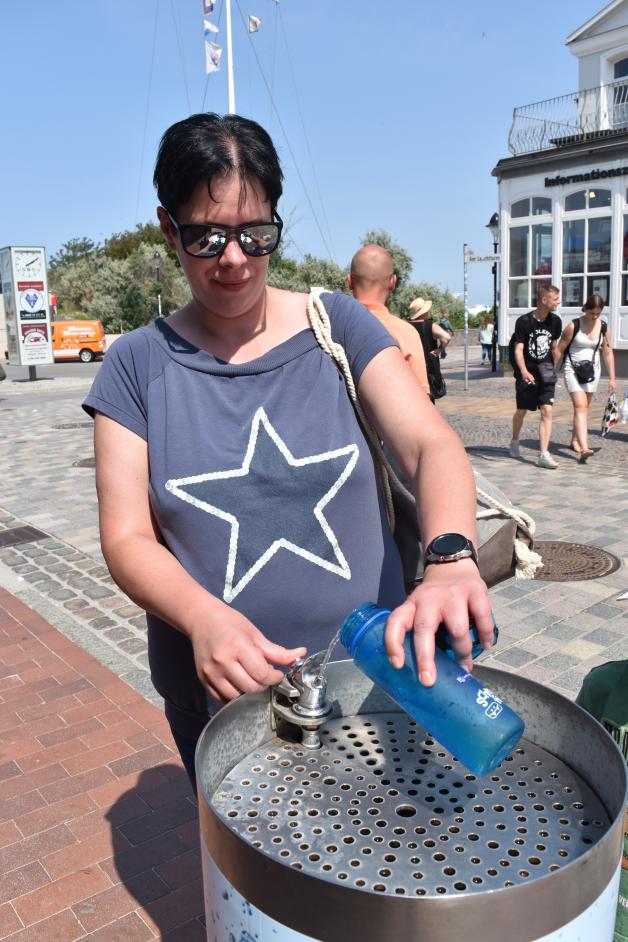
551,632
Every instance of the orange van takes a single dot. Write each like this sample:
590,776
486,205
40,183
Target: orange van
82,340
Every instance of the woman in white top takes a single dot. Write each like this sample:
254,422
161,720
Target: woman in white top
585,344
485,336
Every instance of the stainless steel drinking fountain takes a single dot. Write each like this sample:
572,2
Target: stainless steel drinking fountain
333,816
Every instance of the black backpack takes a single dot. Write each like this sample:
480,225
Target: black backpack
516,372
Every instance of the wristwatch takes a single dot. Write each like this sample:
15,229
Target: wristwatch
448,548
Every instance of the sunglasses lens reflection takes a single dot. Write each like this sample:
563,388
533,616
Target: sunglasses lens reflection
259,240
209,241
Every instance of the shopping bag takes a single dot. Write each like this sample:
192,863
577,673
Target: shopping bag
611,414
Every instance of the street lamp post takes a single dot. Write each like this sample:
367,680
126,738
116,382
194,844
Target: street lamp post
157,268
493,226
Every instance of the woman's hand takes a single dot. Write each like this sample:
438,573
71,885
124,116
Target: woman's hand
449,593
233,657
612,386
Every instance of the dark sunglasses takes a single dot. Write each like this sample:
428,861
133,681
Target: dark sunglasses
207,240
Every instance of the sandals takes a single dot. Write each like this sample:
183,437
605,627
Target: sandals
583,455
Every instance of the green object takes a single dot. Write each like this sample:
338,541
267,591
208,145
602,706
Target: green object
604,694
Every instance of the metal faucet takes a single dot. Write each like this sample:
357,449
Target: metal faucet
299,698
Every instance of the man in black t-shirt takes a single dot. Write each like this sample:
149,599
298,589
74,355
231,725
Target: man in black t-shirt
536,335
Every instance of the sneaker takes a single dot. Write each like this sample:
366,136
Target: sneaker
514,448
546,461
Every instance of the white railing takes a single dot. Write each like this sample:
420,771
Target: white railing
587,115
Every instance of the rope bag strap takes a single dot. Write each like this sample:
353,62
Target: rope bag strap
321,325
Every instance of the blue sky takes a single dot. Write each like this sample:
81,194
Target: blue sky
406,107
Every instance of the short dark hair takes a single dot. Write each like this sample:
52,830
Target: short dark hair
207,145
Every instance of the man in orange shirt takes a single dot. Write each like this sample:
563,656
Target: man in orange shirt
371,280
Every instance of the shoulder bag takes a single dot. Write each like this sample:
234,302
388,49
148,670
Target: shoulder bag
505,533
584,369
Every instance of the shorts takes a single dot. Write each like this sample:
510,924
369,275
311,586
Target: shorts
532,395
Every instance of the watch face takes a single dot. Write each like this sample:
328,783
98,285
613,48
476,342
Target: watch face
449,544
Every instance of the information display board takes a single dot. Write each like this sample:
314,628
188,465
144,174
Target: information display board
25,290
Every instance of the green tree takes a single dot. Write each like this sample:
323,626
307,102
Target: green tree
138,296
444,303
123,244
73,251
311,272
77,283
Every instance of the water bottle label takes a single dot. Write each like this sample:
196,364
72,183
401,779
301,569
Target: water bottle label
490,701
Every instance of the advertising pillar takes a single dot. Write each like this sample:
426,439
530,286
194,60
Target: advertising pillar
25,291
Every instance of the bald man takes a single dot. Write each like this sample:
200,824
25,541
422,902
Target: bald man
371,280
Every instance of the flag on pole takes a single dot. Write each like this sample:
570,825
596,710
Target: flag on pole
209,27
208,7
254,24
213,53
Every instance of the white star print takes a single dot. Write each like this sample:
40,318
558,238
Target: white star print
340,568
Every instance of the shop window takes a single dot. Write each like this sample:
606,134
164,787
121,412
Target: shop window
575,201
520,208
586,259
599,199
536,206
587,199
541,205
624,266
530,254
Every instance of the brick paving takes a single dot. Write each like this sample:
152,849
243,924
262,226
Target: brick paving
98,829
98,824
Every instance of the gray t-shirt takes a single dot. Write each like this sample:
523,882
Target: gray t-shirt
261,481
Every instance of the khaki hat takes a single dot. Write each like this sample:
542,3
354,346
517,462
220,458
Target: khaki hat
419,307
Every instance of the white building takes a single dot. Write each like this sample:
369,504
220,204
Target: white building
563,194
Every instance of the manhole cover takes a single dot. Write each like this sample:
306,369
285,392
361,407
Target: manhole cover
572,562
85,463
65,425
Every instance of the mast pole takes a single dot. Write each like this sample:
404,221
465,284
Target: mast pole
230,83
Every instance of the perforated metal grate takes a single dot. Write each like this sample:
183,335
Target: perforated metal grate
386,810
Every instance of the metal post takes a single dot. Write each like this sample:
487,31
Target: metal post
466,317
495,316
157,270
230,83
32,373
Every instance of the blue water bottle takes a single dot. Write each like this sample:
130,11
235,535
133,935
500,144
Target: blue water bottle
462,714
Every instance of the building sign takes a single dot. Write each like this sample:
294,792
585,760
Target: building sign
25,290
587,177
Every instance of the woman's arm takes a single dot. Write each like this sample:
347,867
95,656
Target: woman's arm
231,655
434,461
609,359
565,339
